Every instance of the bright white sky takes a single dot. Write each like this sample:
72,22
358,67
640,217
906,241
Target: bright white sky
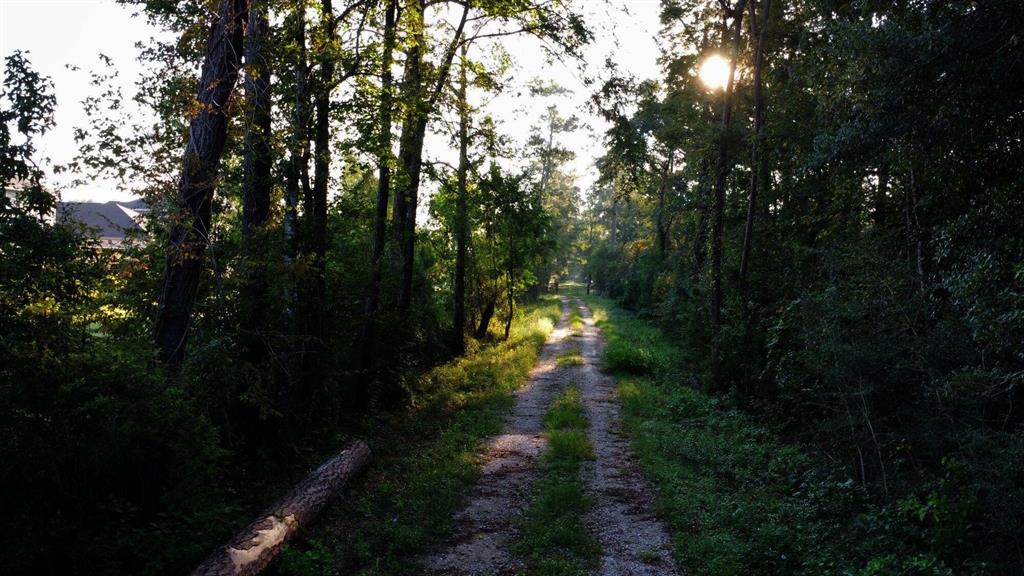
57,33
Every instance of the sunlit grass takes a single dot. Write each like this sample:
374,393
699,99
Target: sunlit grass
571,357
570,445
576,324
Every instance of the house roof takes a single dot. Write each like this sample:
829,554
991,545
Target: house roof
110,220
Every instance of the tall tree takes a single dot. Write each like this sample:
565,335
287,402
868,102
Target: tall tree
384,160
724,166
190,227
298,170
758,168
461,212
256,183
316,204
419,101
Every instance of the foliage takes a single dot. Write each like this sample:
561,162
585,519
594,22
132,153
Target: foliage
106,464
877,323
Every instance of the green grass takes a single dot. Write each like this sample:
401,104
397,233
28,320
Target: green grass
424,460
571,357
570,446
736,500
553,539
566,412
576,324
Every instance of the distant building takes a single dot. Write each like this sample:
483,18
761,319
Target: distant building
112,222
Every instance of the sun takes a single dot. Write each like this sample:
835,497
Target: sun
714,72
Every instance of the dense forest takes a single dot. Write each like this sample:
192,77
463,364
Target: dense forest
804,245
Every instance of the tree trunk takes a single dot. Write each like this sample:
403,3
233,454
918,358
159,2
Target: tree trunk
298,173
316,211
190,227
257,162
314,237
700,240
700,236
663,188
414,130
758,140
511,305
724,167
252,549
410,149
881,195
256,182
548,166
461,216
485,318
383,188
613,230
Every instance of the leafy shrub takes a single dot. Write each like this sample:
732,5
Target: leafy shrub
622,357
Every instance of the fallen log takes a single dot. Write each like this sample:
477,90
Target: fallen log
251,550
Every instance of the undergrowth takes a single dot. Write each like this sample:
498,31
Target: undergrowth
736,500
424,460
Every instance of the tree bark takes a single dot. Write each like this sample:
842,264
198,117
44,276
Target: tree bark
461,216
881,195
485,318
298,174
548,166
724,167
252,550
383,188
660,224
758,140
314,237
257,163
256,184
511,303
190,227
410,145
411,148
316,212
700,236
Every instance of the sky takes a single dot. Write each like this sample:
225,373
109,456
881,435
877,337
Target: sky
58,33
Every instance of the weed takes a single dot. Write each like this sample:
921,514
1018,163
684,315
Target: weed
576,324
650,556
